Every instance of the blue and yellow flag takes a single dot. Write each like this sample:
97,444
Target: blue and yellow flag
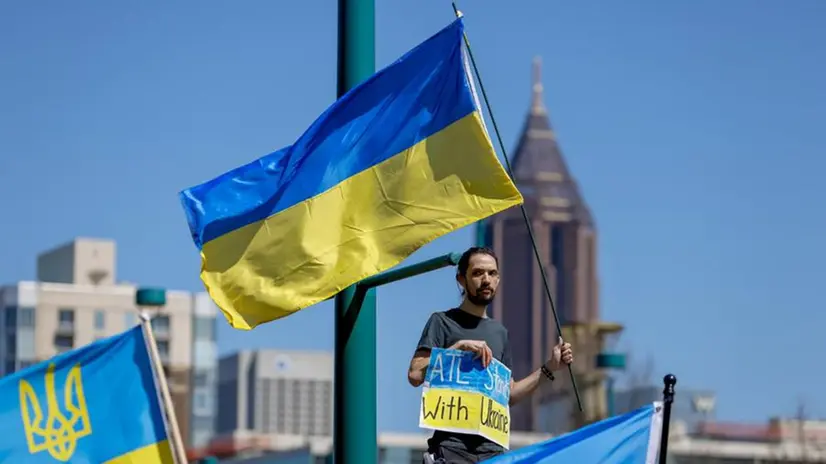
96,404
628,438
395,163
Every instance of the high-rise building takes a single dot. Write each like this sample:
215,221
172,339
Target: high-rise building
77,300
566,238
276,392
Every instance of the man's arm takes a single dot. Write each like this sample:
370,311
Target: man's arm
418,366
524,388
432,337
562,355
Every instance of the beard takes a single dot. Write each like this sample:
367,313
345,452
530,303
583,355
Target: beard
480,299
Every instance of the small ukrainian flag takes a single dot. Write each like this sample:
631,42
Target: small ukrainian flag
398,161
96,404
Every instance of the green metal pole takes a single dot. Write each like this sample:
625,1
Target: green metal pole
354,435
394,275
482,238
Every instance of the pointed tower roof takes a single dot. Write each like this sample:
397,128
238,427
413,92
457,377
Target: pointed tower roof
539,168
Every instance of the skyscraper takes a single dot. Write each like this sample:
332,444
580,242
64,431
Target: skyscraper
567,241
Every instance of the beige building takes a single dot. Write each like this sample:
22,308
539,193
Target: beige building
77,299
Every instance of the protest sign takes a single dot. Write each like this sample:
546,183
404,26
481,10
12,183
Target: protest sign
460,395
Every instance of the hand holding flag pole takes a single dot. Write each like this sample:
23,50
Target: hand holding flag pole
521,206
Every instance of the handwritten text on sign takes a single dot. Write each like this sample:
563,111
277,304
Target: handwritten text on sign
462,396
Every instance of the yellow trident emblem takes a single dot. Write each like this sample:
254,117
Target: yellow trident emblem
58,434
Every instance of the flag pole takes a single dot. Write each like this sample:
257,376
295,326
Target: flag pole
669,381
166,398
354,384
522,206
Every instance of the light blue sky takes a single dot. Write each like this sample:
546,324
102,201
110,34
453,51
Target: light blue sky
694,128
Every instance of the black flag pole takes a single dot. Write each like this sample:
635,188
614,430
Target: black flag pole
522,206
669,381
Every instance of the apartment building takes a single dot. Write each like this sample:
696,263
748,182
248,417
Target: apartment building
77,299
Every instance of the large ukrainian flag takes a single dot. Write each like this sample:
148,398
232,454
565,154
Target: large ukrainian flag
397,162
97,404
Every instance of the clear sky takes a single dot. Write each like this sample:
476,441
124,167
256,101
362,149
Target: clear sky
695,130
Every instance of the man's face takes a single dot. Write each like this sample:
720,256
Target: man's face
481,280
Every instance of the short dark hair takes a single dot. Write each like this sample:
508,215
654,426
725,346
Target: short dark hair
464,261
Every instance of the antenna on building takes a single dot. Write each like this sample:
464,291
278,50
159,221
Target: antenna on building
537,97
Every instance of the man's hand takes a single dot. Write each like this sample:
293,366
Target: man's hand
563,355
479,347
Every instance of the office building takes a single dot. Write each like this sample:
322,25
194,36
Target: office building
566,237
276,392
77,299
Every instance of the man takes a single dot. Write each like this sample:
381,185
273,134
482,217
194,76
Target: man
468,328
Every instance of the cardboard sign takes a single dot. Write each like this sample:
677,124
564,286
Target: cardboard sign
460,395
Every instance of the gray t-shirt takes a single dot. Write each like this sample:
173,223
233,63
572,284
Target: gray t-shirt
442,330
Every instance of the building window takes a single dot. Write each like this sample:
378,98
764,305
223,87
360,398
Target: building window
25,364
100,319
204,354
11,345
9,366
11,317
558,262
26,317
130,319
163,350
201,403
160,324
201,380
25,344
204,424
66,319
205,328
64,343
